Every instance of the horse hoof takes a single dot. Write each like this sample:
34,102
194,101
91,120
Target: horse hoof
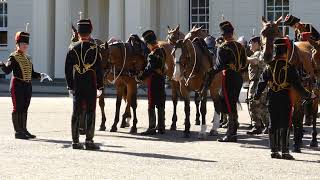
213,133
113,129
102,128
133,130
173,127
187,135
314,143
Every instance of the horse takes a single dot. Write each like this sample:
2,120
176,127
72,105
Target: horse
125,60
300,55
192,61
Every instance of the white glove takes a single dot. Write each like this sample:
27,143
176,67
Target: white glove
313,95
71,93
99,92
44,76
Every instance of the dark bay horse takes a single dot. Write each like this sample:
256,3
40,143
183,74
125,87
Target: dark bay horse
300,55
192,61
124,61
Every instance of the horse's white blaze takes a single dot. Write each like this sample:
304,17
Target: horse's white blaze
177,72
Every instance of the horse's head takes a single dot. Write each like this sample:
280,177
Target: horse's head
196,32
182,57
270,31
174,35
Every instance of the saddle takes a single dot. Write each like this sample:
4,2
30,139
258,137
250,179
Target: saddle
204,48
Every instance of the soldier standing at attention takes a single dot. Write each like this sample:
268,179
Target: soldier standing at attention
84,76
156,83
231,60
280,75
20,64
300,28
257,109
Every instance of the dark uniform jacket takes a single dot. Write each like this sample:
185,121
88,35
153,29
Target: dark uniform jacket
21,66
306,28
155,71
231,59
83,68
280,76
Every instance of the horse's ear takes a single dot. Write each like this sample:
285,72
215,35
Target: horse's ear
263,20
177,28
278,21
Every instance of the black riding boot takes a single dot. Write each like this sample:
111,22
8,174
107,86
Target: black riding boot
90,127
297,138
285,137
161,121
24,125
152,123
75,131
274,135
233,125
17,125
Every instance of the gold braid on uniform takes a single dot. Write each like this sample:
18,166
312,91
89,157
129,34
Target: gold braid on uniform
236,56
25,66
82,59
277,80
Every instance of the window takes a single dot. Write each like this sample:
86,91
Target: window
276,8
199,13
3,23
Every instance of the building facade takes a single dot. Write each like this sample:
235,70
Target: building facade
50,21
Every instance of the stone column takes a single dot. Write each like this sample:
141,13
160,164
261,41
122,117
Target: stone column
116,19
42,38
62,35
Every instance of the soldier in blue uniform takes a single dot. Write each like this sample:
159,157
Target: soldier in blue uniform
154,71
300,28
231,60
21,88
84,76
280,75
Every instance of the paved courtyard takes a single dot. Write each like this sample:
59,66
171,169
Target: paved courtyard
126,156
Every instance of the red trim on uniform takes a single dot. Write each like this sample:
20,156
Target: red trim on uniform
13,94
226,97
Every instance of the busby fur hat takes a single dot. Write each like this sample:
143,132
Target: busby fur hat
226,28
84,26
22,37
281,45
291,20
149,37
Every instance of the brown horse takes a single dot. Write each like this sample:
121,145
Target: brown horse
192,60
300,55
124,61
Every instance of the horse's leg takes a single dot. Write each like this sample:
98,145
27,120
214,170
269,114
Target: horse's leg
297,122
314,142
103,115
187,133
216,116
116,117
203,110
174,97
134,106
197,102
131,90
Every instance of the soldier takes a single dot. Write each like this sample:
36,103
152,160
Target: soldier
231,60
300,28
20,64
84,76
156,83
280,75
257,109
